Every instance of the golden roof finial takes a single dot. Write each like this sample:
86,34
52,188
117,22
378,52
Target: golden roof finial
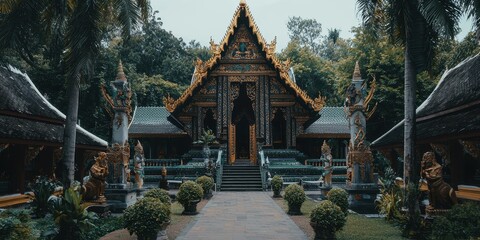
243,3
120,73
356,73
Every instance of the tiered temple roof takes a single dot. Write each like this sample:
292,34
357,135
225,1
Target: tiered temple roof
152,121
332,123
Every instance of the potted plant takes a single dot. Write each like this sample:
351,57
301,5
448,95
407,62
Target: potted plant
340,197
326,219
295,196
207,183
277,183
147,218
189,195
159,194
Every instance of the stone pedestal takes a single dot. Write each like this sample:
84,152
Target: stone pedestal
121,198
361,197
325,190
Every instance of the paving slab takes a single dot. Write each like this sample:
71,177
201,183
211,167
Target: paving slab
242,216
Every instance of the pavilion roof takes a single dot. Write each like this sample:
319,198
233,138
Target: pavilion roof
26,116
202,68
451,111
152,121
332,123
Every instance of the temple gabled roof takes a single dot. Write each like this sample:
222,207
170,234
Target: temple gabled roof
27,117
202,68
452,110
332,123
152,121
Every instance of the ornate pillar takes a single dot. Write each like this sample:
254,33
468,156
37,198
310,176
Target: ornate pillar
361,186
118,95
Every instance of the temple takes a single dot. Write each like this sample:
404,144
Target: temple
248,98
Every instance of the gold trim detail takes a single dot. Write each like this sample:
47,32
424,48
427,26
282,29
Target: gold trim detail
202,68
231,144
253,145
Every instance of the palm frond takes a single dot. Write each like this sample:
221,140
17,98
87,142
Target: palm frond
371,12
144,6
443,15
128,15
83,38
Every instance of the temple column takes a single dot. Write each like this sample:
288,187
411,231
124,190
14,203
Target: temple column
361,186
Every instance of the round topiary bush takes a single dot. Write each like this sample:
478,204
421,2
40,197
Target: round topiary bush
340,197
159,194
295,196
277,183
326,219
207,183
146,217
189,194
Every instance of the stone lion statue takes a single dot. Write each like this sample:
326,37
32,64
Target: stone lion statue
441,195
94,188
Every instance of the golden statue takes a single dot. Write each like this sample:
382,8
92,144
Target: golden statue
441,195
139,161
94,188
328,164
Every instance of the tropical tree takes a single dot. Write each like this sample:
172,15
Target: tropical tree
416,24
472,9
72,30
307,32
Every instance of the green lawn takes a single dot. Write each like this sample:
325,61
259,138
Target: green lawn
361,227
357,226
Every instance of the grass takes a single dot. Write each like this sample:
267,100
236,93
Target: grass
357,226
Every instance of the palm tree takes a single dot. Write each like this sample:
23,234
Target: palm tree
75,28
416,24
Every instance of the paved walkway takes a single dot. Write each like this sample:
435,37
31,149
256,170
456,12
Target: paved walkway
242,216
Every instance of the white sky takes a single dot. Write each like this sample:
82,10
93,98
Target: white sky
201,19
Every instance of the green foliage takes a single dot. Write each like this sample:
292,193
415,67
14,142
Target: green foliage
15,224
294,195
277,183
307,32
340,197
207,138
328,217
189,191
103,226
43,188
312,73
145,217
71,217
206,182
461,222
159,194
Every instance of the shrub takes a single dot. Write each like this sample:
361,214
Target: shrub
104,226
43,188
15,224
146,217
159,194
277,183
189,191
206,183
71,217
339,197
327,218
461,222
294,194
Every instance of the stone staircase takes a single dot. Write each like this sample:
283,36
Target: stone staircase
241,177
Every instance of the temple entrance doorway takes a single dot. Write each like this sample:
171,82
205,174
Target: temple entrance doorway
279,130
242,140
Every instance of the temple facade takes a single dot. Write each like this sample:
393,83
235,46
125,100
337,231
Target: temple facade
248,98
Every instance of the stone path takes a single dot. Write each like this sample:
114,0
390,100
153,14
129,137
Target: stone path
242,216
